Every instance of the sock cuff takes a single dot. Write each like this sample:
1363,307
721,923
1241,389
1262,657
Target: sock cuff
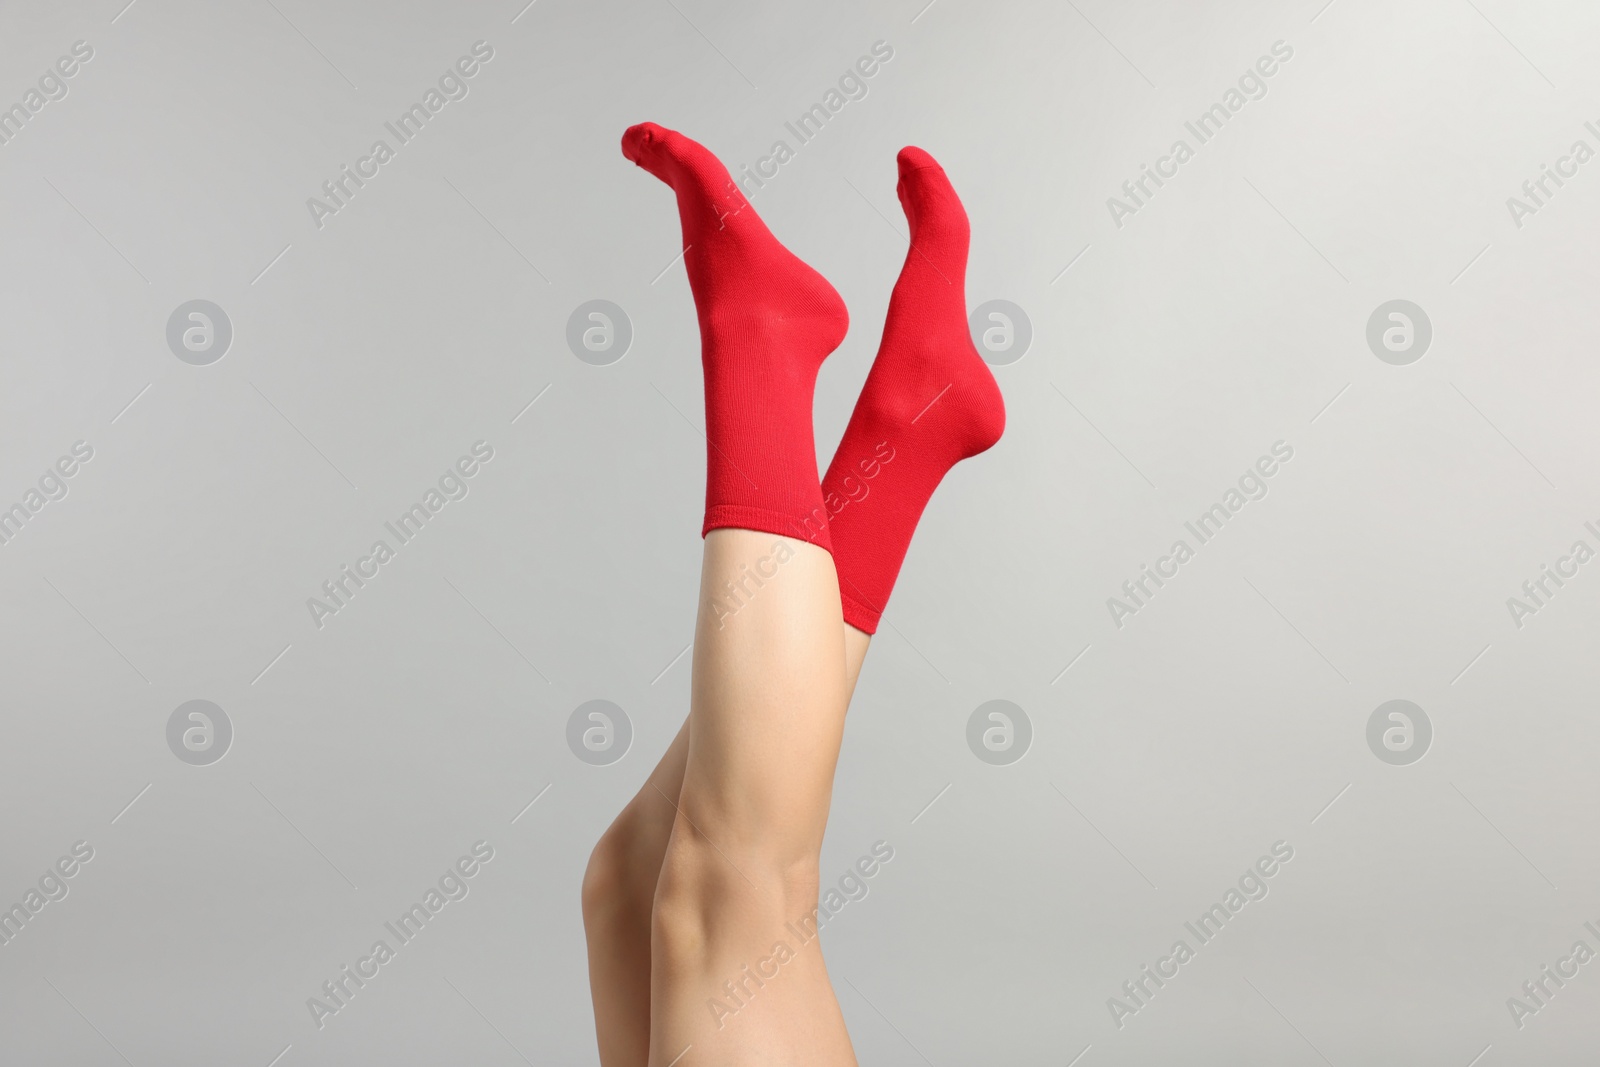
858,614
744,517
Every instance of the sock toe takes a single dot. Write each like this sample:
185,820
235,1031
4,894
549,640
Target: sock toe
933,210
913,158
691,168
922,180
638,142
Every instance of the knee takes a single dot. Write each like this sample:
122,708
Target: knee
711,890
603,879
619,879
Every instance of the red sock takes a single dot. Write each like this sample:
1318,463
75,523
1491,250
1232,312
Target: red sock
767,321
929,401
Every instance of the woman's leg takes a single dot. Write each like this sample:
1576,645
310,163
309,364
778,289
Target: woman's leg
736,971
619,888
766,321
767,693
619,892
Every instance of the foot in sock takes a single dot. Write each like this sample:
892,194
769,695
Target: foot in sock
929,402
767,321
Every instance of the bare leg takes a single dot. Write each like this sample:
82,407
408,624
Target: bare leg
736,972
735,902
619,891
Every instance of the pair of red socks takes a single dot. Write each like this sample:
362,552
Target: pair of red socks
767,321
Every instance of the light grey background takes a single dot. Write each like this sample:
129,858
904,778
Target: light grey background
1228,314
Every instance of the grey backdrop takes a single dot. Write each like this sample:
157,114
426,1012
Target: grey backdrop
1226,313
